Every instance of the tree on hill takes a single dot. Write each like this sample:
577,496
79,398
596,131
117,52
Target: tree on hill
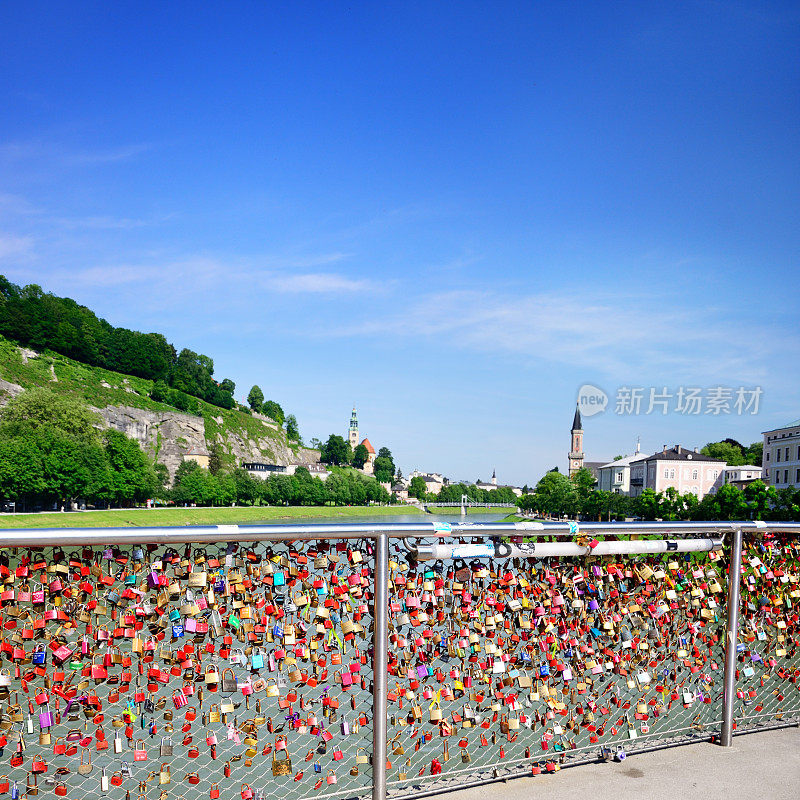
292,429
384,465
40,406
214,458
336,451
255,399
273,411
360,456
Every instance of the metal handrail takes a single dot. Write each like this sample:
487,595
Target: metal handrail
55,537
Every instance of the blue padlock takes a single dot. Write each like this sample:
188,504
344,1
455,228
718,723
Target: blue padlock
544,670
257,659
279,579
178,630
39,656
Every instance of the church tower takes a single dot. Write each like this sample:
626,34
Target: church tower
352,435
576,447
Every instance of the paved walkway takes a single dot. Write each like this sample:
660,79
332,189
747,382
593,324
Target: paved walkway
759,766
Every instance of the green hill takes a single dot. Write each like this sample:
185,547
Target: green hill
163,431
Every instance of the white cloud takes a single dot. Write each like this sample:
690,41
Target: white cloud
236,278
315,283
12,246
617,335
100,223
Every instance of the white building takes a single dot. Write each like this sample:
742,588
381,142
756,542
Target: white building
781,460
616,475
263,471
742,475
680,468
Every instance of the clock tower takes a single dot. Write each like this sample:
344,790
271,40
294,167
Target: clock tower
352,435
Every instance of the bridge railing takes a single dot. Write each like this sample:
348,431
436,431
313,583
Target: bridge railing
382,658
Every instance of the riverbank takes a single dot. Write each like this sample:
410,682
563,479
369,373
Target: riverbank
149,517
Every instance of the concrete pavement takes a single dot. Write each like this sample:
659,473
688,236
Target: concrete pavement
759,765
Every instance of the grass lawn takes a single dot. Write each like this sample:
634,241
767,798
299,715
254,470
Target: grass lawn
142,517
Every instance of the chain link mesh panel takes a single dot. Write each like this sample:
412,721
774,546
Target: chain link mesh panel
768,661
182,674
534,664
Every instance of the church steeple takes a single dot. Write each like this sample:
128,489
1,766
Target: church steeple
352,435
575,455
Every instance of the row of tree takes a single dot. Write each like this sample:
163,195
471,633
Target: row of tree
558,495
203,487
453,491
43,321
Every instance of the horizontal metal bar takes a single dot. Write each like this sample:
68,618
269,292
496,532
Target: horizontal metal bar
565,549
47,537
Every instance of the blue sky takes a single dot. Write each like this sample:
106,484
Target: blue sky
453,215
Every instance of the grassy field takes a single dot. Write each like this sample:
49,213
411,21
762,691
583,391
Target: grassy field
140,518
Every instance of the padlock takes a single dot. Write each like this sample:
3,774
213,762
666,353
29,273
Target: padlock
140,751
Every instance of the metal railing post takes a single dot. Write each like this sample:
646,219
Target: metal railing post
731,639
380,666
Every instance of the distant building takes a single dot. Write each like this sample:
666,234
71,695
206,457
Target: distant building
680,468
319,471
434,481
781,460
369,464
352,438
492,485
575,455
199,455
260,470
352,434
400,491
615,476
742,475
